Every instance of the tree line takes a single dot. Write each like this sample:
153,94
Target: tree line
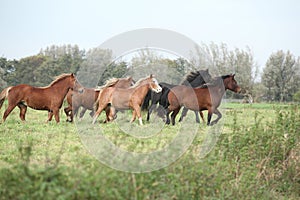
279,80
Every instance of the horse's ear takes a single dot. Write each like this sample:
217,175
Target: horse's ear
72,75
151,76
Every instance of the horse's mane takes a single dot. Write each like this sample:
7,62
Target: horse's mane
109,83
216,81
192,76
57,79
139,82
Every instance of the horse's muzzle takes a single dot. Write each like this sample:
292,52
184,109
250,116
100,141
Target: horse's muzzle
158,90
238,90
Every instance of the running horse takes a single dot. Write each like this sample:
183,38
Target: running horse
124,99
193,79
207,97
48,98
88,97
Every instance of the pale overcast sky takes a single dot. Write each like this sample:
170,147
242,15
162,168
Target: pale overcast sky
264,26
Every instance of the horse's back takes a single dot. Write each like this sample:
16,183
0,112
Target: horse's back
187,96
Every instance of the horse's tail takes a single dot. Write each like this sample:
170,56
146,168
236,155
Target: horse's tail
3,95
96,104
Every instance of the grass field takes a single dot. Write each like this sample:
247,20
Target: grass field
254,153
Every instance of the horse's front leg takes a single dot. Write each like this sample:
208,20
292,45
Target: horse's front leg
202,117
183,113
56,115
152,107
133,116
173,115
217,112
82,112
209,115
139,115
197,116
50,115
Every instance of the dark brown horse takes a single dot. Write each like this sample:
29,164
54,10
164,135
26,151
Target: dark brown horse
48,98
124,99
88,97
207,97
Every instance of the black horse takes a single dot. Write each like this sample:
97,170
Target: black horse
193,79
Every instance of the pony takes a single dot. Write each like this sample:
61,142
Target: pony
207,97
124,99
193,79
48,98
88,97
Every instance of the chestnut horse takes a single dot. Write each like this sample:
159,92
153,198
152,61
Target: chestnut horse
207,97
124,99
88,97
48,98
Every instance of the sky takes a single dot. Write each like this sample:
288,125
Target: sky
263,26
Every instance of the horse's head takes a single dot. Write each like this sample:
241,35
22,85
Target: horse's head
154,86
75,85
231,84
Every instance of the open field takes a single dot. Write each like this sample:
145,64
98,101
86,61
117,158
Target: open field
256,156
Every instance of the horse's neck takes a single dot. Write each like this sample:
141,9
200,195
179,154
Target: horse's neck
217,92
60,89
142,90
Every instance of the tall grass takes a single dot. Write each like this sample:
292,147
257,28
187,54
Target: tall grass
256,157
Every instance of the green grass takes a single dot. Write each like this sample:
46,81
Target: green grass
256,156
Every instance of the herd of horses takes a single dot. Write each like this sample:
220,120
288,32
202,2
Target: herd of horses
198,92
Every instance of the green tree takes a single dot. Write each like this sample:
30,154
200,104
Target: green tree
25,68
220,61
93,66
116,70
281,76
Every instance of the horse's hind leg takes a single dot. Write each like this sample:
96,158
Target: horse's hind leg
69,113
8,111
97,113
23,109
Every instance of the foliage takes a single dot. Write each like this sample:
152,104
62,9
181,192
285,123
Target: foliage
281,76
296,96
220,61
256,157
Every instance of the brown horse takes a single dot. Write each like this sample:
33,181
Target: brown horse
207,97
48,98
88,97
124,99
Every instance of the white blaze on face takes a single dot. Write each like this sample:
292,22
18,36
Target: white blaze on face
158,88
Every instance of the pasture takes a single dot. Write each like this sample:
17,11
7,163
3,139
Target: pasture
256,156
